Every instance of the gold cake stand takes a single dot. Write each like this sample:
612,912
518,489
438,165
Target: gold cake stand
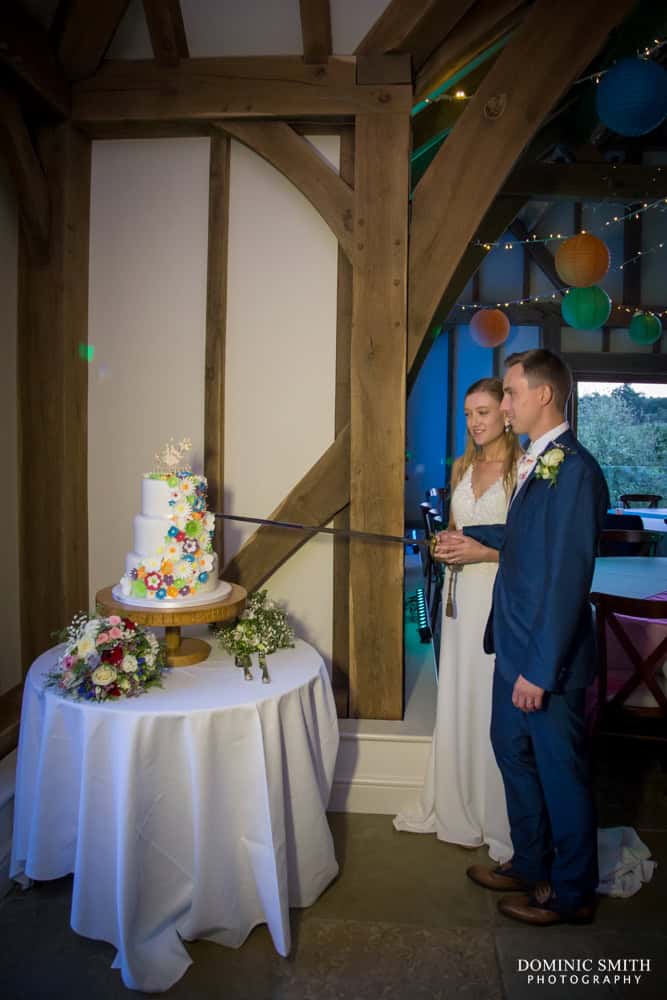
181,652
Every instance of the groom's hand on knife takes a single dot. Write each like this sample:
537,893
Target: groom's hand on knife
527,696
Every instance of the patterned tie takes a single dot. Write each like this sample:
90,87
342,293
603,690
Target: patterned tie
526,463
523,470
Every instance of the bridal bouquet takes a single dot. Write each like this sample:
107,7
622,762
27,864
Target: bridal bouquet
262,628
107,658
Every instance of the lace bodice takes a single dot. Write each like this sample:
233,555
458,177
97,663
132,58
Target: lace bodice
490,508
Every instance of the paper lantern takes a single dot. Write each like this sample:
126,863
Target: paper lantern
631,98
645,328
489,327
582,260
586,308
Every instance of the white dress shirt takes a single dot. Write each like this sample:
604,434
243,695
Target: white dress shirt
534,450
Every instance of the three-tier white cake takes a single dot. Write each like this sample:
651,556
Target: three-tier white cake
172,560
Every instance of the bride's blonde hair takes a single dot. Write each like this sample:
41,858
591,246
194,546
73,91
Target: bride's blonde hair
513,450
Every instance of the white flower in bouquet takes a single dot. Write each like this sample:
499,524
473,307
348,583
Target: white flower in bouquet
103,675
85,646
124,683
129,664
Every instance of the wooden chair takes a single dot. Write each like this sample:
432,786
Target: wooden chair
632,499
614,715
623,522
627,543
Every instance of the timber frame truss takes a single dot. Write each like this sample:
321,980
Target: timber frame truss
402,265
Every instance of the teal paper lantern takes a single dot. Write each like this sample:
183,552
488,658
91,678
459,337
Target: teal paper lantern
631,98
645,328
586,308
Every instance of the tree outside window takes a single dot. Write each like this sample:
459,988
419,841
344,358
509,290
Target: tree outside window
626,431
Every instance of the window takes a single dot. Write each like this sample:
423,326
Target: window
625,427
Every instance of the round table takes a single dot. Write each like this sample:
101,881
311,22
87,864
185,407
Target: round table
630,576
194,810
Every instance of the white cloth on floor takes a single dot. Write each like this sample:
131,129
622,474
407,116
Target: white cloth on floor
624,861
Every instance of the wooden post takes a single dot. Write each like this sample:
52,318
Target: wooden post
341,549
216,321
53,360
377,413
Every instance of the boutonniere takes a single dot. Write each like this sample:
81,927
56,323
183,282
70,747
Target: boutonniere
549,463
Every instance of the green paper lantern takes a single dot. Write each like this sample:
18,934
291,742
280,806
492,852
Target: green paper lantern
586,308
645,328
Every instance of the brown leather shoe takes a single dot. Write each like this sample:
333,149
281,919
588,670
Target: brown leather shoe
541,909
500,879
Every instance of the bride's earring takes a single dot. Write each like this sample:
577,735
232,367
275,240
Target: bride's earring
508,427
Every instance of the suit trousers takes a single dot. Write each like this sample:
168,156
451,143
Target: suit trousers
545,764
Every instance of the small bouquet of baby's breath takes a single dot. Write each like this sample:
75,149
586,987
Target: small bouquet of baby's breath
262,628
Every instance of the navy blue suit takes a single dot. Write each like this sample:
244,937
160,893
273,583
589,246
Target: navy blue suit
541,627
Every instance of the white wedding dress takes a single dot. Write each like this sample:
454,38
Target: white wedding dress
463,798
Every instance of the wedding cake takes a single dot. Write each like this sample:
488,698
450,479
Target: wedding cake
172,561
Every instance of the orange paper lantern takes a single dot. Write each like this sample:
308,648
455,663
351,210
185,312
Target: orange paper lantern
489,327
582,260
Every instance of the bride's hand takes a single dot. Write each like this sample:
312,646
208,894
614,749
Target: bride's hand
457,549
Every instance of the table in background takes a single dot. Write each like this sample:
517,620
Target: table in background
195,810
630,576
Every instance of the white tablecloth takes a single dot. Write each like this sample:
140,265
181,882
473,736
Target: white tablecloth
196,810
630,576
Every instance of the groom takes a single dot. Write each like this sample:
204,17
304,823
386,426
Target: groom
541,631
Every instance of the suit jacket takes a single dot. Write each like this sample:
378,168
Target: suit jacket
541,621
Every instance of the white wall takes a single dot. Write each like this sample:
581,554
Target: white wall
10,648
149,207
246,28
147,322
280,368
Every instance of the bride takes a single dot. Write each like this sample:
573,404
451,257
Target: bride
463,799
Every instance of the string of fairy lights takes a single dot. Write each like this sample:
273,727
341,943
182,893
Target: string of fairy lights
633,213
636,213
644,53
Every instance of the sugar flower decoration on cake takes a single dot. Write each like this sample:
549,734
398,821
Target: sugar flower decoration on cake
106,658
171,456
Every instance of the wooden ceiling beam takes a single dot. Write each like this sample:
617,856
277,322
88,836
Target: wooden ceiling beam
531,74
26,169
480,27
85,34
300,162
167,30
587,182
26,51
538,253
216,89
315,30
413,26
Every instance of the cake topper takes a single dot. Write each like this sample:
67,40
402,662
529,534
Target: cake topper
171,455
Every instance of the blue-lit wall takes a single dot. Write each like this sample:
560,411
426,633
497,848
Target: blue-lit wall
427,429
472,362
